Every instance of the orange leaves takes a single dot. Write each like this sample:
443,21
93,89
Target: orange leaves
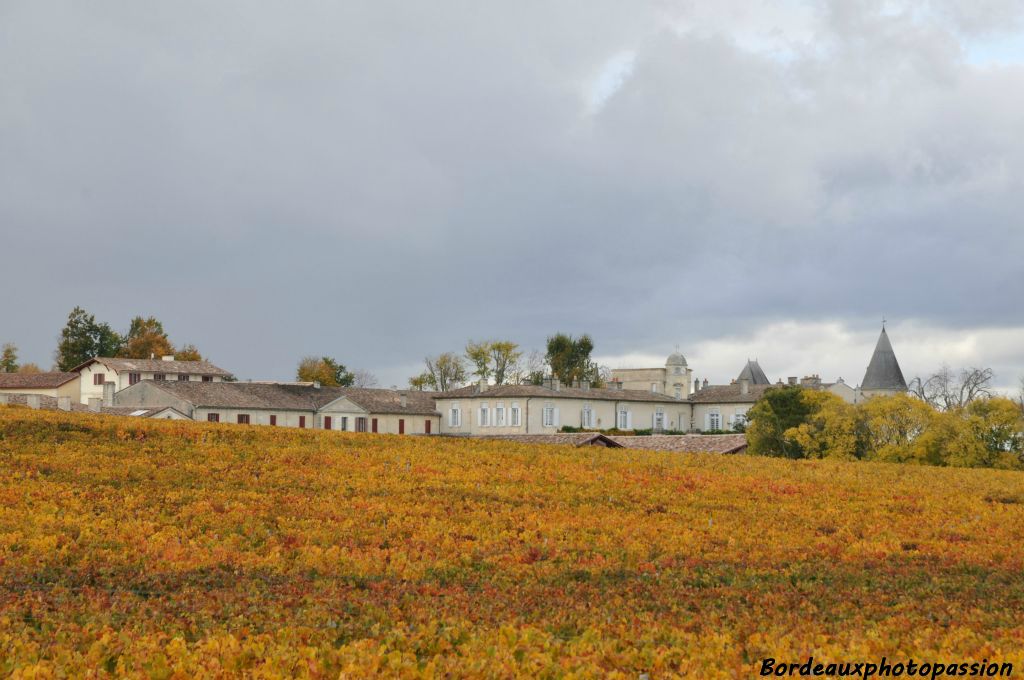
180,550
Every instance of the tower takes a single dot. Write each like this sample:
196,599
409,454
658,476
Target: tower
883,377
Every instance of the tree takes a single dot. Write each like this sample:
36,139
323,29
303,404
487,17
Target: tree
325,371
420,382
778,411
479,356
82,338
9,358
946,389
893,426
363,378
998,424
146,339
569,358
188,353
444,372
29,368
832,428
505,356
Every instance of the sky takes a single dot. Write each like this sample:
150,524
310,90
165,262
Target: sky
381,181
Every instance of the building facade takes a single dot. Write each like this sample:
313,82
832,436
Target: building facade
124,373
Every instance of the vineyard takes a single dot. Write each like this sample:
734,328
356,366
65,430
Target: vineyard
178,550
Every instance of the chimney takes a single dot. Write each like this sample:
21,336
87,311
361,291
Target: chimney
792,380
482,385
556,384
94,404
32,400
585,385
167,357
705,383
108,394
316,384
403,400
64,403
547,382
744,386
576,384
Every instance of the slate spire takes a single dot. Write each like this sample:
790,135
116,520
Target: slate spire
884,371
752,372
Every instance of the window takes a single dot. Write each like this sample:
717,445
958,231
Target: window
679,370
654,387
623,419
373,424
484,413
455,416
159,376
401,426
587,418
514,415
714,421
213,417
243,418
679,392
499,414
183,377
273,420
739,420
302,421
360,424
207,378
659,418
133,378
426,427
344,423
550,416
327,422
97,378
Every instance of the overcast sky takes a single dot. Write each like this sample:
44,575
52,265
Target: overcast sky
378,181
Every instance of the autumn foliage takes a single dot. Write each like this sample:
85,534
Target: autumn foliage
178,550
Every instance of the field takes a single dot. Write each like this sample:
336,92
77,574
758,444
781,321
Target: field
161,549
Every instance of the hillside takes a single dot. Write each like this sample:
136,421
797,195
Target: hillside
164,549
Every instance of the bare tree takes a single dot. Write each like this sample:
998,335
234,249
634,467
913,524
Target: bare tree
949,390
445,371
363,378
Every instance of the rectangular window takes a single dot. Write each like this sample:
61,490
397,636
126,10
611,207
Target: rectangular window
183,377
207,378
623,419
426,427
654,387
549,416
679,393
714,421
373,424
360,424
133,378
159,376
659,419
455,416
587,419
484,413
213,417
499,415
273,420
302,421
401,426
97,378
514,415
243,418
327,422
344,423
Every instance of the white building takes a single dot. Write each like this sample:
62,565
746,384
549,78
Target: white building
123,373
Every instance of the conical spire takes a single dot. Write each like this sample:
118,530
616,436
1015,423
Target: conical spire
884,371
752,372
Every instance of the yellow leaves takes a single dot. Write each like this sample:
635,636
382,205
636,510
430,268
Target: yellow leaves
210,551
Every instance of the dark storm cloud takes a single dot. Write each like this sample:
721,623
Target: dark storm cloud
379,181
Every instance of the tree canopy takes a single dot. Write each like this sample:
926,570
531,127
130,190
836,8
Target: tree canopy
83,338
324,370
569,358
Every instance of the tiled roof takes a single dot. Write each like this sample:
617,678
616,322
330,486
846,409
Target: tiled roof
570,438
293,397
34,381
728,394
593,394
686,443
157,366
390,401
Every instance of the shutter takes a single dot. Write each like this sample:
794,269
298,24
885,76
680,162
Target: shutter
707,421
478,416
556,416
654,420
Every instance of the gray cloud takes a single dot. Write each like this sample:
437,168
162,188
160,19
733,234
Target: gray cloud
379,181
